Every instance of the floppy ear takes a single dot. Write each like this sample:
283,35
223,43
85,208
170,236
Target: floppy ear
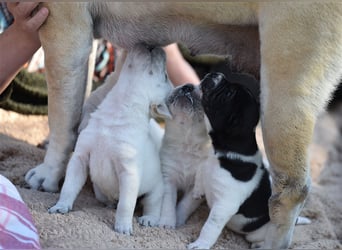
160,111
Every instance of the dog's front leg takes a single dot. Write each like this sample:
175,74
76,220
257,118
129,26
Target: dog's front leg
186,207
300,64
67,40
152,204
76,176
168,212
129,188
219,216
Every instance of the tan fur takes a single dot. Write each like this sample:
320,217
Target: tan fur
296,47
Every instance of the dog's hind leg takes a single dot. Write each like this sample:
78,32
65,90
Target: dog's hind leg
67,45
76,176
300,65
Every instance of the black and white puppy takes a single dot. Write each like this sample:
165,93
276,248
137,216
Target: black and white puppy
236,185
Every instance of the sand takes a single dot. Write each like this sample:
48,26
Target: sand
90,224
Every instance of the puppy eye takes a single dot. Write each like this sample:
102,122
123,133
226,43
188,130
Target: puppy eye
165,75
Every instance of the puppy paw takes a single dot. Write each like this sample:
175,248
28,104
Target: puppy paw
303,221
180,222
42,178
167,223
148,220
59,208
199,244
123,228
257,245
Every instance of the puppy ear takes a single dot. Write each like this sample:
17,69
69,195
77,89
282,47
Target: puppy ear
160,111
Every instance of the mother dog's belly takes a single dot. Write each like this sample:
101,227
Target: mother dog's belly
204,28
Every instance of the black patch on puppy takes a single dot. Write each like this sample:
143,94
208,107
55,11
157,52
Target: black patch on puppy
256,206
242,171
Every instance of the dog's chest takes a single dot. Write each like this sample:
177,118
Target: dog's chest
180,164
104,175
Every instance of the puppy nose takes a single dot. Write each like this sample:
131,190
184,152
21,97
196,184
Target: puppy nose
150,47
211,80
188,88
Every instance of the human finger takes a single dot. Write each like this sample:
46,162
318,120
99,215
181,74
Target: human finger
38,18
22,9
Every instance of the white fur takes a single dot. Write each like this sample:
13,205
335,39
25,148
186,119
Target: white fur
256,158
121,146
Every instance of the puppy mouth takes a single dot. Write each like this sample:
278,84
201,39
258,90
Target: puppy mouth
189,97
183,100
185,97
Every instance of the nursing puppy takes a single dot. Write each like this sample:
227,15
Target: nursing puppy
185,146
119,147
296,52
234,180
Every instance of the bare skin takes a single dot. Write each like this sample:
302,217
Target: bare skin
24,31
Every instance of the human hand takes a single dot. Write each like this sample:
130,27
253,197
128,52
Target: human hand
28,18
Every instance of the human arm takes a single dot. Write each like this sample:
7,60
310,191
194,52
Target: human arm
21,40
179,70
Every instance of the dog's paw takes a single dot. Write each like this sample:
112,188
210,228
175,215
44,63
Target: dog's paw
123,228
59,208
148,220
42,178
199,244
303,221
180,221
167,223
257,245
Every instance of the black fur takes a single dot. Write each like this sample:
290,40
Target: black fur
256,206
242,171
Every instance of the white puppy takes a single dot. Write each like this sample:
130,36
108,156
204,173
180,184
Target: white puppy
118,145
185,145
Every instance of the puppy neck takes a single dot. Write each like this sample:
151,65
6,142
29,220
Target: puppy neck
241,144
254,159
192,134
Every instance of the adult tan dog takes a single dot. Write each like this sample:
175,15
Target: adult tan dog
296,47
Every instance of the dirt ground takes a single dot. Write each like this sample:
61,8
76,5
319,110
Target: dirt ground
90,224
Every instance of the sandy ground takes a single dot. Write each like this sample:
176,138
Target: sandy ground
90,224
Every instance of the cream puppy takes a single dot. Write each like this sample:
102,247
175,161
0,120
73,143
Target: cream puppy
119,146
185,145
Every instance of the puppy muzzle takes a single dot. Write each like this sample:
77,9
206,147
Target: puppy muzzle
211,80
